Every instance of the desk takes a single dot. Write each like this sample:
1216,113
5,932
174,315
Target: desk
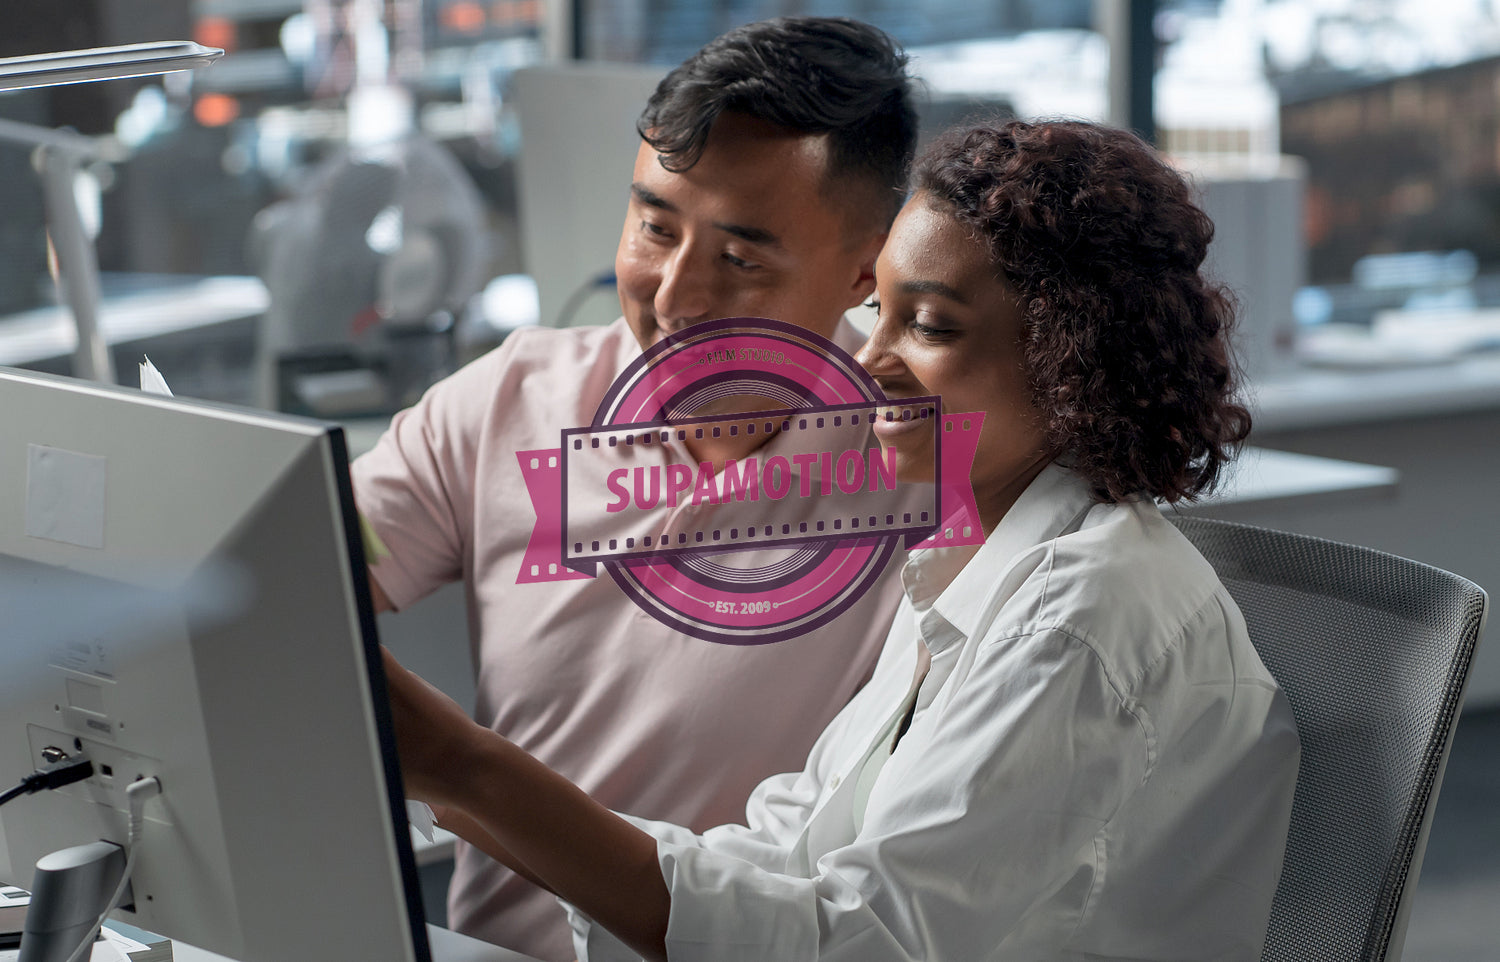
1261,478
1310,397
446,947
200,331
47,333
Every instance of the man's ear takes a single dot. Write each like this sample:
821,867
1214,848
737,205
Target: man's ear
864,282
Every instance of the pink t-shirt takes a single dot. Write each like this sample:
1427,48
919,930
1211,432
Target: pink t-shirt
647,720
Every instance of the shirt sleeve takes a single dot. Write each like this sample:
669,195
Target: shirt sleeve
995,798
416,486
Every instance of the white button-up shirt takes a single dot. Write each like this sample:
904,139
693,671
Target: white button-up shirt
1099,767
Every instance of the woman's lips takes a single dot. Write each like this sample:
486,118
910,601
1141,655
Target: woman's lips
897,419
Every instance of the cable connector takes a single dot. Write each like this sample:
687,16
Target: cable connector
59,774
69,770
141,791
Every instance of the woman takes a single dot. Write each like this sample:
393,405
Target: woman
1069,748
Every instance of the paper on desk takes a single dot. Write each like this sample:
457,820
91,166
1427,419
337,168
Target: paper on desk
124,942
151,380
108,950
421,818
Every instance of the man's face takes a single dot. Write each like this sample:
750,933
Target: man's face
744,232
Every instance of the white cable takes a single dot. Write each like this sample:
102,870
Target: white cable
137,793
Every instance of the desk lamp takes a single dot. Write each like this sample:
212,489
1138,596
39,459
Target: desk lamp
60,154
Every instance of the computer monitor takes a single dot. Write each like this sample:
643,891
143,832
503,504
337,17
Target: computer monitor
182,594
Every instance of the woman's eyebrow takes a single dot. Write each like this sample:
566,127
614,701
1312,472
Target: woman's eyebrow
933,287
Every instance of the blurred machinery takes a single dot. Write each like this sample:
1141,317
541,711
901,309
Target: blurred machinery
368,266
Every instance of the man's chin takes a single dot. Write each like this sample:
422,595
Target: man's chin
648,336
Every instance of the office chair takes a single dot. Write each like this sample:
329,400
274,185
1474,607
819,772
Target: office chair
1372,652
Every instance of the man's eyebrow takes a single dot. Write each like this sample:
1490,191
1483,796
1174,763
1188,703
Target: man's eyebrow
650,198
753,235
933,287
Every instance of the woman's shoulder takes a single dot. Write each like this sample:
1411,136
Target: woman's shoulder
1128,585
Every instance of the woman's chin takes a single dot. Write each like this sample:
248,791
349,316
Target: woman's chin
913,463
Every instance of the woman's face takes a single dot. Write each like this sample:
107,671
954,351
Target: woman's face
950,326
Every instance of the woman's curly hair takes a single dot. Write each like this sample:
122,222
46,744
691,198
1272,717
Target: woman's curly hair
1126,340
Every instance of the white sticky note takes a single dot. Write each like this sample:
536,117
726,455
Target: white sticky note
420,815
151,380
65,496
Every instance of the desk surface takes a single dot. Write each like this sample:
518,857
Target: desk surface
48,332
1261,475
1309,397
446,947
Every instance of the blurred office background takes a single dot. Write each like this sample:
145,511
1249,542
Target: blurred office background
363,194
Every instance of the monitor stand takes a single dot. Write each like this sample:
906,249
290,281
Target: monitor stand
71,889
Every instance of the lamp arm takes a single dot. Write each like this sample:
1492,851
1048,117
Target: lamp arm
30,135
77,264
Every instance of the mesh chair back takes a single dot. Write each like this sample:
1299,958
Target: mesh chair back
1372,652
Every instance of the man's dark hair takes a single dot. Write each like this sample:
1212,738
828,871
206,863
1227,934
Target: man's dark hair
814,75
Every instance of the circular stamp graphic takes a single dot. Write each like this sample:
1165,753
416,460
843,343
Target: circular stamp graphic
732,487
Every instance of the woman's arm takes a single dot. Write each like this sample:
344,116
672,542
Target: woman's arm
475,834
542,825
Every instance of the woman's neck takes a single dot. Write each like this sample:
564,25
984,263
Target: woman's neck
995,501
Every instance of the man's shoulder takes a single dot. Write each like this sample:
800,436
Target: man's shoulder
542,366
564,348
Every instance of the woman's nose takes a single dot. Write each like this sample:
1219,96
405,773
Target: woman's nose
877,355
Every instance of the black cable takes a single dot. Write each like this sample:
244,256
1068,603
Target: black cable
56,775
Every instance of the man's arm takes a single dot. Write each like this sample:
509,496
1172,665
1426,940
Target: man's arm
378,596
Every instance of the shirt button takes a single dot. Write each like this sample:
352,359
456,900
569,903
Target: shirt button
834,782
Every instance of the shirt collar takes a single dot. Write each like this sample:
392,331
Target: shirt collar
949,587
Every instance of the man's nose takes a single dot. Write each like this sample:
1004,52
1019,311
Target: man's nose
685,294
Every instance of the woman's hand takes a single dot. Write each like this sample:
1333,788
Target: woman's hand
432,734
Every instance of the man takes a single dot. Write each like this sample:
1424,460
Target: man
772,164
